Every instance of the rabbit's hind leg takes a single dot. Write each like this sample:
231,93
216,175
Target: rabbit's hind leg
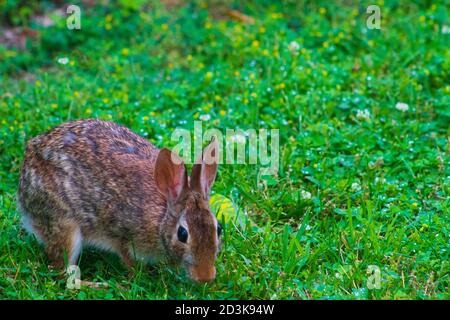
64,243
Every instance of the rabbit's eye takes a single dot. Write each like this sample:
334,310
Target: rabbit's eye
182,234
219,229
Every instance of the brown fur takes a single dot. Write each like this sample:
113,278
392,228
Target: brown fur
117,190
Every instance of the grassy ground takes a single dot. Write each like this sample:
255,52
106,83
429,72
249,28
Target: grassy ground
360,183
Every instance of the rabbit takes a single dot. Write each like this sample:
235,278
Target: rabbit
96,183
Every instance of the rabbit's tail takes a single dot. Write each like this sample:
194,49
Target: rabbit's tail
27,220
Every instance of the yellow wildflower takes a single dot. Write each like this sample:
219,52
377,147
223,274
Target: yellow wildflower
209,75
276,15
207,107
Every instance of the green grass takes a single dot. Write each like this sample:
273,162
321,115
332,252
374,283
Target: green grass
379,186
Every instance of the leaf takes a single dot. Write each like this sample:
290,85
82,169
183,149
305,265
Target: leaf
223,208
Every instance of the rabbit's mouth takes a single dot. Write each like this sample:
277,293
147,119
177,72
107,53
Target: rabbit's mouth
202,273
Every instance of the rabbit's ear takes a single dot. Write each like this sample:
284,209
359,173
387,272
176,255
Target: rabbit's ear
205,169
170,174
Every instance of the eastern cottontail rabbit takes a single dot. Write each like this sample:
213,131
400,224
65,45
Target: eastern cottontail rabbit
92,182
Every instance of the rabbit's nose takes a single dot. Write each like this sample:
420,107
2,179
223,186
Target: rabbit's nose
202,273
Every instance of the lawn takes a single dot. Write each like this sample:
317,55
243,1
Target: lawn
363,117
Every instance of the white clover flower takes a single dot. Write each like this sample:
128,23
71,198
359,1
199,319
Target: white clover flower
445,29
63,60
356,186
380,180
205,117
306,195
402,106
363,114
293,46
